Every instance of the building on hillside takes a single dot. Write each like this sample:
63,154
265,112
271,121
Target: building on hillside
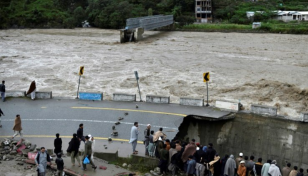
300,16
203,11
284,15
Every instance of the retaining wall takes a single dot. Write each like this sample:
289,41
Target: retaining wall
191,101
268,138
157,99
107,156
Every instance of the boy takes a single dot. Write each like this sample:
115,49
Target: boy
60,165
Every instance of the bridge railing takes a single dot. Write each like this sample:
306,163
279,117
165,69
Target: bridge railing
149,22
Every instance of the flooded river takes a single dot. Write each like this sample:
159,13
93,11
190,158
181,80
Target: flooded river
268,69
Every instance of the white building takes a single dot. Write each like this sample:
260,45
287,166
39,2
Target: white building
285,15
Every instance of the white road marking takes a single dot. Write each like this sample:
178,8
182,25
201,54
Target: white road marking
94,121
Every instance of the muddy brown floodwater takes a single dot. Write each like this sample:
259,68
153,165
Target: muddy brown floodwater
268,69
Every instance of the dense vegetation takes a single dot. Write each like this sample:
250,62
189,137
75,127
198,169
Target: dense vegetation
100,13
230,14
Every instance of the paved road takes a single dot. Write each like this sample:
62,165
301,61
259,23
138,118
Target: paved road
48,117
42,119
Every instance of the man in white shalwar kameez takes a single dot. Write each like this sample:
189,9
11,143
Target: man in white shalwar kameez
134,137
273,169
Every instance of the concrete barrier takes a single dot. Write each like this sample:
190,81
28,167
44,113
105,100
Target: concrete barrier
191,101
15,93
124,97
157,99
107,156
227,105
42,95
264,110
90,96
304,116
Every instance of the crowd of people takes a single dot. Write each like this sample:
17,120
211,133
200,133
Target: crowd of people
195,159
42,158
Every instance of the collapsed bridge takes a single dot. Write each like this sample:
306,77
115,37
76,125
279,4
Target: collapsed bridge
135,27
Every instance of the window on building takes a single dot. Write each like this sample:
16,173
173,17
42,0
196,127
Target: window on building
198,15
198,9
198,2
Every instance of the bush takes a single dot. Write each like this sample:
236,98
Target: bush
79,16
185,20
69,23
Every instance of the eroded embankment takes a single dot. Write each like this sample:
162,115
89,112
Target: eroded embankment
266,137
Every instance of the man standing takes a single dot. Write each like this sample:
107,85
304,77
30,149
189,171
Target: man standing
239,159
32,90
159,134
274,170
258,167
1,113
191,166
230,166
265,168
2,90
42,158
294,171
58,144
249,166
163,160
286,170
80,133
17,127
88,153
211,152
134,137
190,149
147,132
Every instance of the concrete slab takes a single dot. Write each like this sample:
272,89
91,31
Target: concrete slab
118,96
191,101
90,96
264,110
157,99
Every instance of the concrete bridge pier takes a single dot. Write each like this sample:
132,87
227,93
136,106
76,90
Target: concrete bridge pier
129,35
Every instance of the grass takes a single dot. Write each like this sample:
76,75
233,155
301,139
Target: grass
271,26
218,26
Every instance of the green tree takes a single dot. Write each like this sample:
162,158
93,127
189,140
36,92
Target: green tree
79,16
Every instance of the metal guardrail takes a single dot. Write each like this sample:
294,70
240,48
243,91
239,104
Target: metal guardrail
149,22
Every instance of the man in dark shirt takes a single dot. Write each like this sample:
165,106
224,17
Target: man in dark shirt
258,167
1,113
2,90
80,133
60,165
211,152
164,156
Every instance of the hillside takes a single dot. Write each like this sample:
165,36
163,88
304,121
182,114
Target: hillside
113,13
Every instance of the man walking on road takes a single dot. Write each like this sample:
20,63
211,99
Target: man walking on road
1,113
42,158
2,90
87,153
147,132
17,127
134,137
80,133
